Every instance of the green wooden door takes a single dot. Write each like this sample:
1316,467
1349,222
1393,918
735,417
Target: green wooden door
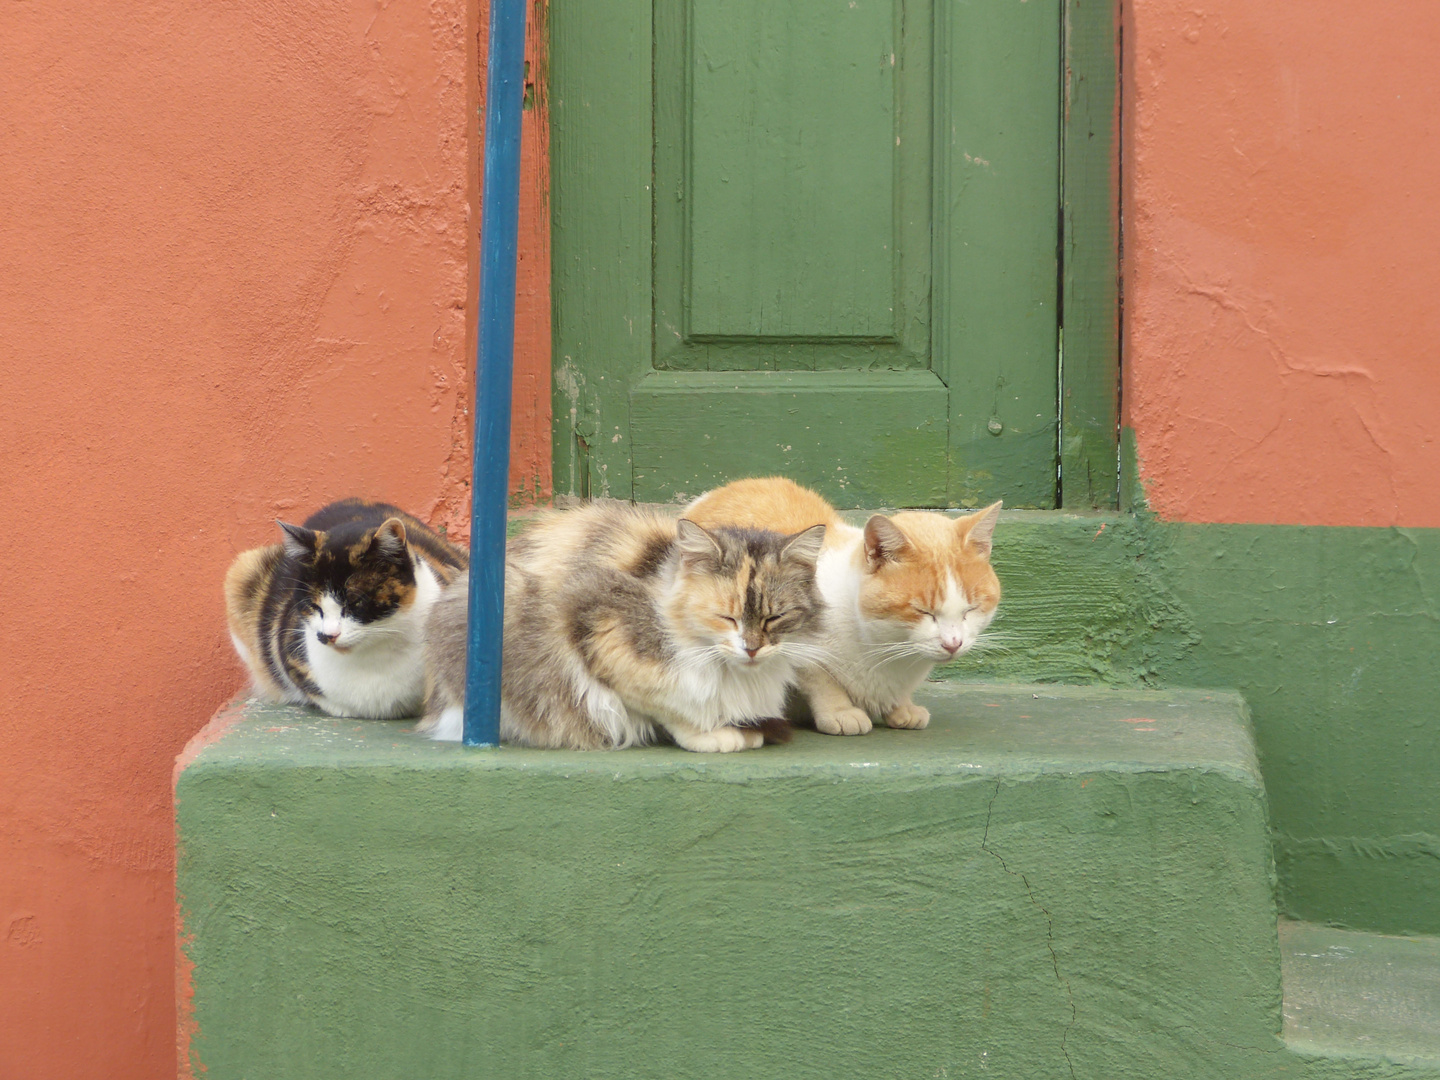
809,237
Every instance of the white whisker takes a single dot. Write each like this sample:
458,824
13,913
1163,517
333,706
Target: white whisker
800,650
893,651
987,645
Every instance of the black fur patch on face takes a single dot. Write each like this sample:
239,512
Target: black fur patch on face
354,517
369,583
368,578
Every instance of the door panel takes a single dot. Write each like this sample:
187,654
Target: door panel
851,239
791,193
865,438
792,164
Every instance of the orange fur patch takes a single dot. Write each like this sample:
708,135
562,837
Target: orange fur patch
914,582
771,502
710,598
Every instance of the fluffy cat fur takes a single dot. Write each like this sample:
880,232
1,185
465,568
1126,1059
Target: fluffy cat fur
332,617
622,623
904,593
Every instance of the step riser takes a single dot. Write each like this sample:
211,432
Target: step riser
384,919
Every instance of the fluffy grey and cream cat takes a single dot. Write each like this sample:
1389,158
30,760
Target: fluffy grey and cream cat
622,623
902,594
332,617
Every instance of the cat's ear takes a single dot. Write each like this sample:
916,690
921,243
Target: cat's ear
389,541
695,543
883,542
804,546
978,528
299,541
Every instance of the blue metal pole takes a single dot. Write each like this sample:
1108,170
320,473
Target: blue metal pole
490,490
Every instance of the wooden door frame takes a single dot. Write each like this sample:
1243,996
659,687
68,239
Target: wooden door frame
1090,256
619,294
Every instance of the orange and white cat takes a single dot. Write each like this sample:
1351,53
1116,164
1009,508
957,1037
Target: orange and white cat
906,592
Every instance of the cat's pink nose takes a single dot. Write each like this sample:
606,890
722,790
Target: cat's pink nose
950,645
751,652
324,638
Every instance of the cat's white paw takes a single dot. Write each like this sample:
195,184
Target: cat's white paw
449,726
846,721
908,715
725,740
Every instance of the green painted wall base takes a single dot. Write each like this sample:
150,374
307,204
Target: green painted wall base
1047,882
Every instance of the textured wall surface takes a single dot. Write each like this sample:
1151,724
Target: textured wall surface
1282,303
1282,294
234,241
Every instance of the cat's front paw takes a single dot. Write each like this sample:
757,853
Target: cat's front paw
846,721
725,740
908,715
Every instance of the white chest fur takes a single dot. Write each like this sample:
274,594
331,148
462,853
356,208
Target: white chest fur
858,663
722,693
383,674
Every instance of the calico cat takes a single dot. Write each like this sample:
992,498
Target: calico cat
902,594
622,624
332,617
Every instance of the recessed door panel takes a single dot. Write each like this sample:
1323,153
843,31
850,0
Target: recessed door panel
790,187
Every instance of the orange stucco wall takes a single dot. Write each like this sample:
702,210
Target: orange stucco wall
236,257
236,244
1282,244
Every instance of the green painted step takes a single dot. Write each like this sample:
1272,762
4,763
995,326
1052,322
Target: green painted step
1355,995
1048,881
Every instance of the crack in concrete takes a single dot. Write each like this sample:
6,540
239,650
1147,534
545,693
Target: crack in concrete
1049,928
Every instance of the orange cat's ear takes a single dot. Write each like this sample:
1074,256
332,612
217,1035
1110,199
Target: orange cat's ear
883,542
978,529
300,542
389,540
695,543
804,546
